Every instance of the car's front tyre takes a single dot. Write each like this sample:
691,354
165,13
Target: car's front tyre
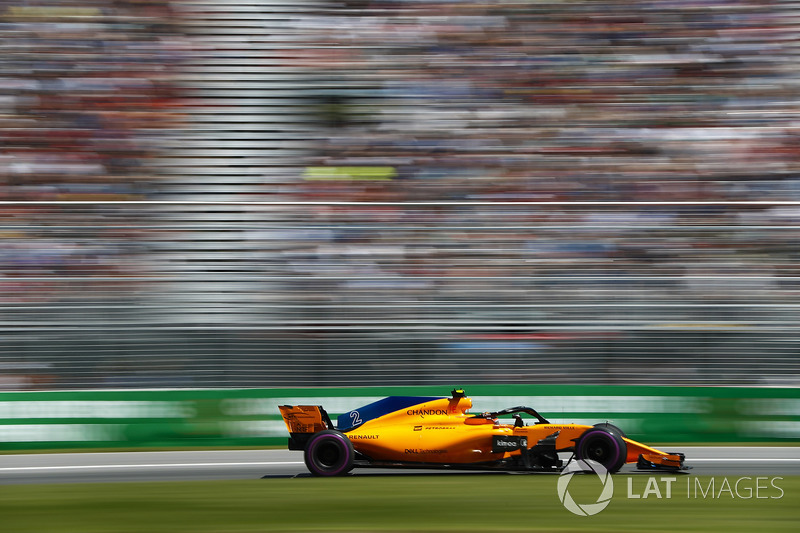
610,427
602,446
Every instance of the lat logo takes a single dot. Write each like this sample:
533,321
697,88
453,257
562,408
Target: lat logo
588,466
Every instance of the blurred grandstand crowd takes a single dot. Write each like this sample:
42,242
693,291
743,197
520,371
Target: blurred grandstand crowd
398,191
86,93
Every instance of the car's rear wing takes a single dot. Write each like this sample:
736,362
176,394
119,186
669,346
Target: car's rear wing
302,421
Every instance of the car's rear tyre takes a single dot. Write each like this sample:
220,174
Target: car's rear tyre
603,446
329,453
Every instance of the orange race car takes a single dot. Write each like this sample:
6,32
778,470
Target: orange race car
430,432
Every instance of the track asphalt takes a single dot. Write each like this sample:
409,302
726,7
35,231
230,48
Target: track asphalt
256,464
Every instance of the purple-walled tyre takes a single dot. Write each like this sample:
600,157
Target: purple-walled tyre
602,446
329,453
610,427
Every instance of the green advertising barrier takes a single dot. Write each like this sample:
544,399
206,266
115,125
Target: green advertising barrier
249,417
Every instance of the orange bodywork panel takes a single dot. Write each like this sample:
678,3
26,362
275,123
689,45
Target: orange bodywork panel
303,418
442,431
651,454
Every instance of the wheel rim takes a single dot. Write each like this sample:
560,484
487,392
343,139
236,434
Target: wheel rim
329,455
598,450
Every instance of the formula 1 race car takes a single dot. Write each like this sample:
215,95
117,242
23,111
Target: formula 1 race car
430,432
